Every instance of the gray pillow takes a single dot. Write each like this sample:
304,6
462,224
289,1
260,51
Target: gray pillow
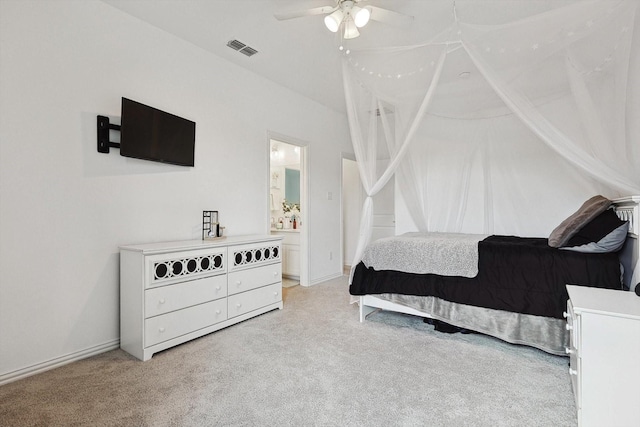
612,242
570,226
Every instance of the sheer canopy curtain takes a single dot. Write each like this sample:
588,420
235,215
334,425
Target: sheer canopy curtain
579,54
538,113
383,119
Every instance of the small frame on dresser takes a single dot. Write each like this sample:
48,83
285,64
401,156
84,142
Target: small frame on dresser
211,226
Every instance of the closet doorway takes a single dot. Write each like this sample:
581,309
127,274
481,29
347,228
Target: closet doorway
288,202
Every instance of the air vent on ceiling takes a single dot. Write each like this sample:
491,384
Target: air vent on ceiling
241,47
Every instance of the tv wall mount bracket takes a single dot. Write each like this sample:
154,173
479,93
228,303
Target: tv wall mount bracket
103,134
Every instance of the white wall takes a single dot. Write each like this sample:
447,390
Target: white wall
64,208
633,88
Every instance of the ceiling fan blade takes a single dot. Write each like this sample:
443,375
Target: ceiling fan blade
281,16
389,16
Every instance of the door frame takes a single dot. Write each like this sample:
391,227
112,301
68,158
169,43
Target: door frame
304,198
345,156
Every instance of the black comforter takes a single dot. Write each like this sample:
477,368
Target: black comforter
517,274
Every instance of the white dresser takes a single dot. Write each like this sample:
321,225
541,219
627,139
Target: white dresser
173,292
604,355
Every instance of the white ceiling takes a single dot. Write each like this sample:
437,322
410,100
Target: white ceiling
301,54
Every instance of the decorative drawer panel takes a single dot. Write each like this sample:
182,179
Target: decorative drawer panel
252,255
165,299
252,300
171,325
245,280
171,268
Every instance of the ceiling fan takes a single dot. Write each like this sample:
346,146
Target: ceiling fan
349,15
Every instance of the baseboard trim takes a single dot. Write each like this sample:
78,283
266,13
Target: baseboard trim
59,361
325,279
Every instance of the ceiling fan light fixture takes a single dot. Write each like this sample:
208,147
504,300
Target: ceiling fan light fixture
361,15
350,29
332,21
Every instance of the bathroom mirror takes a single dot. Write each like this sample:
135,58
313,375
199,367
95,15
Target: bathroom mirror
292,185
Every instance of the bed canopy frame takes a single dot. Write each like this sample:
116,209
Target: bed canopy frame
486,127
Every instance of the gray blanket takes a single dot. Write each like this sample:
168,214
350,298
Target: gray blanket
446,254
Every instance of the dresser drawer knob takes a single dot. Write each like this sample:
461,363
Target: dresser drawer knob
218,288
568,350
275,294
161,301
161,329
565,314
275,274
239,282
573,372
218,311
568,327
238,305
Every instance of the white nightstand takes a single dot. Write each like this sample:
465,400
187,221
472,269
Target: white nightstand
604,355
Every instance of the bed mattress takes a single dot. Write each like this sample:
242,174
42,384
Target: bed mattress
517,274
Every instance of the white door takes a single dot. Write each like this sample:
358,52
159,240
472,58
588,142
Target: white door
384,216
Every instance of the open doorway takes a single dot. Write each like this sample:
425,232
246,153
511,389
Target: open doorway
288,203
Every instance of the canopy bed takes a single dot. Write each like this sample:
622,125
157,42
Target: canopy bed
509,287
484,128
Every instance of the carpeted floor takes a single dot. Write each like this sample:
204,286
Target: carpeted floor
289,283
310,364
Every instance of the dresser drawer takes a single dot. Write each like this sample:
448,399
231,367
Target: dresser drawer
254,299
254,254
170,268
245,280
171,325
165,299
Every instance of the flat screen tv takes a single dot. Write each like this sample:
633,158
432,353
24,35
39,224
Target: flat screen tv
150,134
